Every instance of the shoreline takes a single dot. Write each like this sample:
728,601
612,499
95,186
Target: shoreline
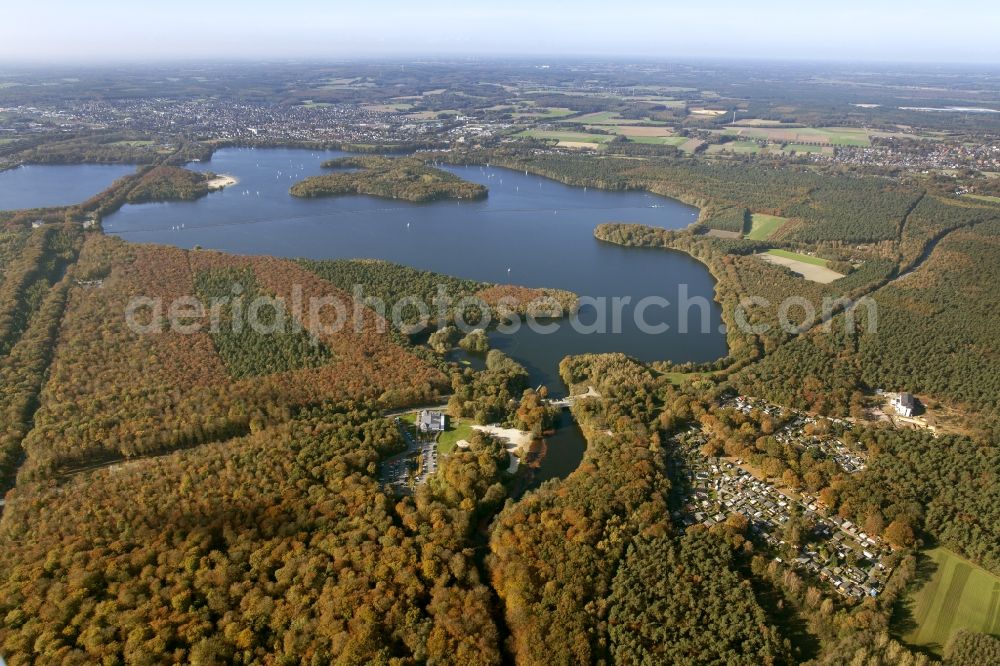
220,181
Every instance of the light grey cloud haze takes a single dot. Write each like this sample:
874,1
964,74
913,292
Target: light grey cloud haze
48,30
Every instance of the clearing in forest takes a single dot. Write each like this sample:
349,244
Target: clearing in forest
765,225
811,268
958,595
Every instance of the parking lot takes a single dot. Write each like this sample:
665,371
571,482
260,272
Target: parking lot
412,467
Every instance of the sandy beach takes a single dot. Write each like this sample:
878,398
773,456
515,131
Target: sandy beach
220,181
516,439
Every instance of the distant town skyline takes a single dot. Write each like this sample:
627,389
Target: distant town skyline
115,30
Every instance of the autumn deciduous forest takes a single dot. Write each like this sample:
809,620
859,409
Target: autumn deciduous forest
112,392
227,496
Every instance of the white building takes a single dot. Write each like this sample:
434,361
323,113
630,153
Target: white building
904,404
431,421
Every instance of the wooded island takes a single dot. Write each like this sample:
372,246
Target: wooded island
389,178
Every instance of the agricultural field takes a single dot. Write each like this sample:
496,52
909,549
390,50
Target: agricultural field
834,136
599,118
430,115
691,145
758,122
568,137
660,140
813,269
925,135
612,118
764,225
633,131
737,147
984,197
958,595
708,112
804,258
842,136
579,144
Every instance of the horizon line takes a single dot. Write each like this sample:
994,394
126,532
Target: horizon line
428,57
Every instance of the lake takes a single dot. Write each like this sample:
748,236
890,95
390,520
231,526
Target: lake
563,452
529,231
45,185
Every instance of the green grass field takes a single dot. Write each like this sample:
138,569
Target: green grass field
764,225
959,595
837,136
804,258
846,136
758,122
738,147
582,137
456,430
691,145
659,140
984,197
543,112
599,118
677,378
610,118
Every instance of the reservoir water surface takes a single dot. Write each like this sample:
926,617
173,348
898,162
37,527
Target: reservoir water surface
530,231
42,186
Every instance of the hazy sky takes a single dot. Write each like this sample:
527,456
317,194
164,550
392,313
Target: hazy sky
132,30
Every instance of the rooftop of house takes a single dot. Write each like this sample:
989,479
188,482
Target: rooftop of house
431,419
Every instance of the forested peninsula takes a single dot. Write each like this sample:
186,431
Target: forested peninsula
170,183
